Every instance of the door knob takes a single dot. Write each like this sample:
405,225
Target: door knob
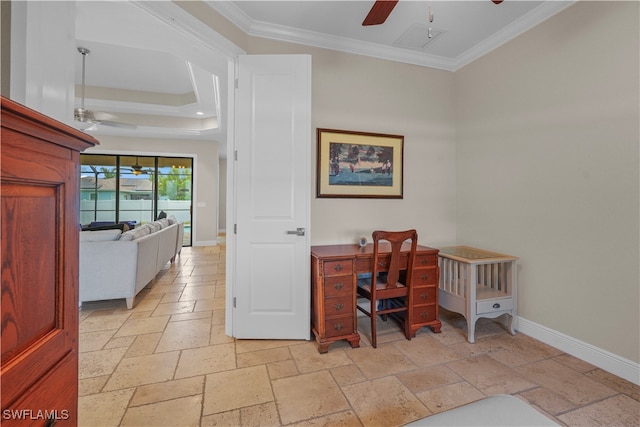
298,231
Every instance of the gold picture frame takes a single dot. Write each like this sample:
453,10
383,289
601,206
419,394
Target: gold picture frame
359,164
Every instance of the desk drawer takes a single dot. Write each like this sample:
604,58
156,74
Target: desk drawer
424,276
338,306
338,286
426,261
338,326
490,306
338,268
424,313
424,295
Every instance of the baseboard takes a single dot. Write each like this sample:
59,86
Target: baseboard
205,243
603,359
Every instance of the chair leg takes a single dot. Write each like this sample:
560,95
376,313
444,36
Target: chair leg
383,305
374,316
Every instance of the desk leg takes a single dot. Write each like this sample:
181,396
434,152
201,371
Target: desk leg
436,327
354,341
323,346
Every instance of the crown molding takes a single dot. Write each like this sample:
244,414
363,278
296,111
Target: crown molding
309,38
541,13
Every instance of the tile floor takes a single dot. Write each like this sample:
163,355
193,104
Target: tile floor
167,362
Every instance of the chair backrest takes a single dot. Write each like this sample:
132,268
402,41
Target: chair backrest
396,239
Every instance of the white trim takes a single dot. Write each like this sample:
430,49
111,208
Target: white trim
205,243
230,263
294,35
603,359
181,20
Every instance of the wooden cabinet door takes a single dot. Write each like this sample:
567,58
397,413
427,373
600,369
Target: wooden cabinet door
39,208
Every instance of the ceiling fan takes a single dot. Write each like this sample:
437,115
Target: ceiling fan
381,10
137,169
84,115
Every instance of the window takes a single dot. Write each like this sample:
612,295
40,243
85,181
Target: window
135,189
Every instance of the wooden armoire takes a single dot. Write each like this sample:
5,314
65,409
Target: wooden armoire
40,223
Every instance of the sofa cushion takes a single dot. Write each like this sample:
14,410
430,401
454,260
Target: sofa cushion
164,222
100,235
155,226
136,233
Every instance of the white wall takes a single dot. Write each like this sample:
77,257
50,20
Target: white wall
42,57
205,194
548,170
358,93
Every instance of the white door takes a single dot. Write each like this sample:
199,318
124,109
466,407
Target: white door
272,192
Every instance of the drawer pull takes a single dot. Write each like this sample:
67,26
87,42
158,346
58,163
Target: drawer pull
425,276
424,295
338,326
424,315
423,261
382,264
496,305
338,286
338,267
338,306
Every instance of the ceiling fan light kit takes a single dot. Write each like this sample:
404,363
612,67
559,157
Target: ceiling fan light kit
137,169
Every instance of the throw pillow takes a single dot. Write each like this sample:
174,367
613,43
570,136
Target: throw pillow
154,227
136,233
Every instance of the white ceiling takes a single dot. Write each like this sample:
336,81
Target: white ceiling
461,30
138,72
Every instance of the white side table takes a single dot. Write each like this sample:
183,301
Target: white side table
477,283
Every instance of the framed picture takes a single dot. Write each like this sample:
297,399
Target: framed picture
359,164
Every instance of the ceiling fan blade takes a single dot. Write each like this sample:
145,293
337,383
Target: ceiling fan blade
115,124
379,12
101,115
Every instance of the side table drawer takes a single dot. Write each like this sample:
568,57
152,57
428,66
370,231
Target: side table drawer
490,306
338,326
424,295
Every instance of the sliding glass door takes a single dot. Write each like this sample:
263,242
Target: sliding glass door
135,189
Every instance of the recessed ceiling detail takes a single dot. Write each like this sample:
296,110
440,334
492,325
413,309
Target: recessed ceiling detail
418,37
139,97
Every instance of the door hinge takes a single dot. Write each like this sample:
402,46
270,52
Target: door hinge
235,155
235,228
236,83
234,302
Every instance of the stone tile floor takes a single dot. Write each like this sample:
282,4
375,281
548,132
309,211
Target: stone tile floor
167,362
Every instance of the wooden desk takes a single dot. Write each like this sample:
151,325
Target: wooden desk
477,283
334,272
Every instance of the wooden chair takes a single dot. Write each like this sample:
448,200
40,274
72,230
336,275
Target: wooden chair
391,290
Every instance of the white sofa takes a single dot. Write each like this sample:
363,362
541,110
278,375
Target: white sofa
119,265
